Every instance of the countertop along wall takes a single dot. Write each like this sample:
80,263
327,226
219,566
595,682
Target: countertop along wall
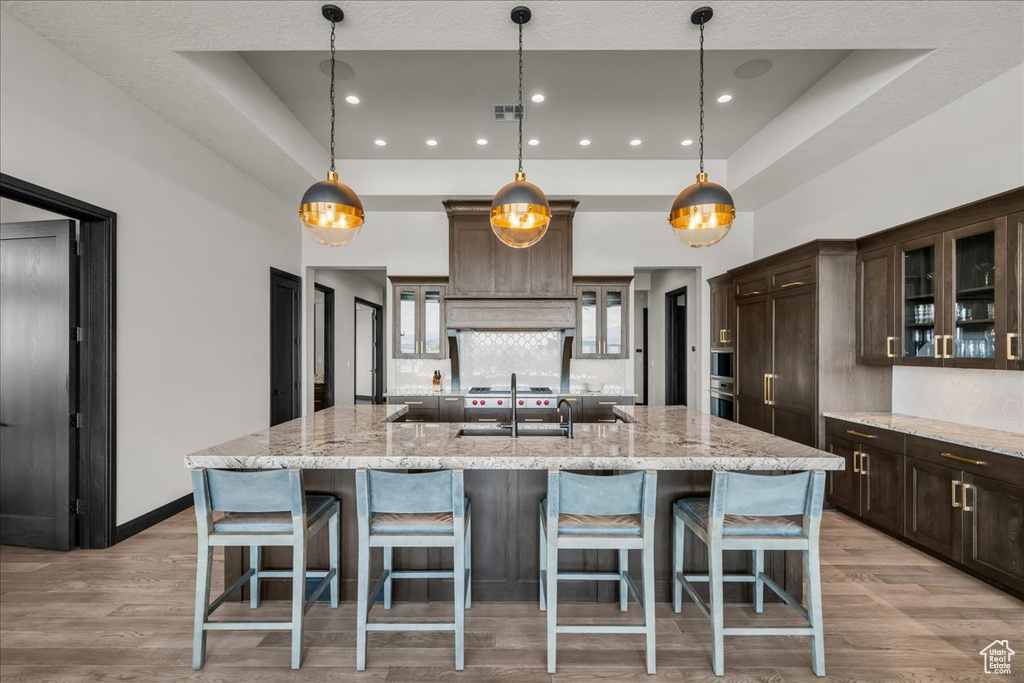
196,238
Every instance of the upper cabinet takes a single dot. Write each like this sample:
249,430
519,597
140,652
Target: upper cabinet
480,265
947,292
602,318
723,312
418,306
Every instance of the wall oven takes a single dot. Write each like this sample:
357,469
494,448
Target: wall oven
722,398
722,364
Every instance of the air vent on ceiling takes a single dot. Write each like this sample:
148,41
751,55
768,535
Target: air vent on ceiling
506,112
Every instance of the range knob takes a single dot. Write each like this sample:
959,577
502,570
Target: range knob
499,402
474,401
483,402
521,402
546,402
538,401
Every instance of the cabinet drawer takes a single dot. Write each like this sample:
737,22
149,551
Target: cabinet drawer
865,434
794,275
415,402
452,409
605,403
499,415
752,285
599,416
416,414
974,460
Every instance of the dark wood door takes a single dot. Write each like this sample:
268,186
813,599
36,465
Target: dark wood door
993,529
37,367
285,321
753,362
1013,351
876,307
793,384
932,520
882,485
844,485
719,315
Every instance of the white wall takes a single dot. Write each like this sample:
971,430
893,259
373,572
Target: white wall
196,238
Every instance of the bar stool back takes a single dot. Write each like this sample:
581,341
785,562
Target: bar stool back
599,512
267,508
754,513
397,510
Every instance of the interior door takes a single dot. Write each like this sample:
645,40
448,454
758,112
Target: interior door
793,385
285,321
753,354
37,371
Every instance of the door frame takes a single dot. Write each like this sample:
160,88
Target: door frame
328,342
378,350
297,349
646,353
97,288
673,390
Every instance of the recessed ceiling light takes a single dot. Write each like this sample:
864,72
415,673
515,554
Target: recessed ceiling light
482,141
380,143
755,68
352,99
687,142
584,142
533,142
722,99
431,142
538,98
635,142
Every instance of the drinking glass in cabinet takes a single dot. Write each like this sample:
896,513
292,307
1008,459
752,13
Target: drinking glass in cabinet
919,301
974,287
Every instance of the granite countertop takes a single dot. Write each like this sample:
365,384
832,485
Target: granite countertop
572,392
1007,443
662,438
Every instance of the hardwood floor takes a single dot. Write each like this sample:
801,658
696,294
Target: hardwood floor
125,614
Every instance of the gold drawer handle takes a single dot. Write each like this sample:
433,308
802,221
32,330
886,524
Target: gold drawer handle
570,400
534,419
607,403
1010,336
453,399
890,347
753,293
864,462
856,456
960,458
963,497
797,283
414,403
416,420
604,420
953,483
487,419
860,434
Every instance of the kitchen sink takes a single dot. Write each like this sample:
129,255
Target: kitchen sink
524,432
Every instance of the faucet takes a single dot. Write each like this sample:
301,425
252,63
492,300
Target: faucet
515,412
568,409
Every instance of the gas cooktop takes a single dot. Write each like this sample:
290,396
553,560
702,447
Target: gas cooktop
507,391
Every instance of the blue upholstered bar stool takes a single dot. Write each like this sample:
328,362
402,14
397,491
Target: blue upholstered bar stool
266,508
754,513
426,510
598,513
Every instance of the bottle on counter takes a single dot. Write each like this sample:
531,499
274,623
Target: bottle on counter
437,381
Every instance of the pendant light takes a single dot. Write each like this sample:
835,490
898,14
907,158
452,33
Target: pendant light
331,212
703,213
520,212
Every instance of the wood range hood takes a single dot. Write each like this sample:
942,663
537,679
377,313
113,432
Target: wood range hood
492,286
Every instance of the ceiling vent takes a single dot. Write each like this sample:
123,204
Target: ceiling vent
506,112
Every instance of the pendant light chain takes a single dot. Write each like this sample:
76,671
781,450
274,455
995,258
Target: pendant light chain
702,97
333,24
521,112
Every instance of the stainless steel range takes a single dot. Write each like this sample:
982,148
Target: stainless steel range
528,398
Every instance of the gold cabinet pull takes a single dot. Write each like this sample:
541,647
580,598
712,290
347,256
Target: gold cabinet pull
960,458
947,341
771,389
864,463
1010,336
860,434
487,419
953,483
963,497
414,403
606,420
753,293
890,347
766,388
453,399
721,336
534,419
795,283
570,400
607,403
856,455
937,348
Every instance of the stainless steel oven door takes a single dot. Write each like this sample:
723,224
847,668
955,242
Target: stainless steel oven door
722,405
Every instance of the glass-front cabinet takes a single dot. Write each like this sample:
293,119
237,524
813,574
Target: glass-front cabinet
602,324
920,264
419,319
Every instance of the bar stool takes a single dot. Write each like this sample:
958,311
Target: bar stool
600,513
425,510
755,513
265,508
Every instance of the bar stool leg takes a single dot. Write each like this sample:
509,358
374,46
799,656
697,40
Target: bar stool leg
758,581
298,598
334,544
389,566
648,562
812,577
717,614
459,577
204,567
469,561
679,534
362,588
542,565
623,588
255,563
552,599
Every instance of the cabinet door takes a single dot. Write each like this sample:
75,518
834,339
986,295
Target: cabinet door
588,322
752,362
472,257
453,409
433,341
792,385
920,295
975,281
882,484
719,315
511,269
993,529
933,506
1011,345
551,261
406,321
615,322
844,485
876,307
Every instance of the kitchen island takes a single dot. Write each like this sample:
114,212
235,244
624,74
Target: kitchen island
506,479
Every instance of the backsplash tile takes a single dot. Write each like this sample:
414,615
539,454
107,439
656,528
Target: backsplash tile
413,376
613,374
488,359
983,398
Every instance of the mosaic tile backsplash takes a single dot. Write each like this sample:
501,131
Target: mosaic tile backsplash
488,359
982,398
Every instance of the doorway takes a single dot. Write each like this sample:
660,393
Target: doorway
323,335
285,337
675,347
57,405
368,352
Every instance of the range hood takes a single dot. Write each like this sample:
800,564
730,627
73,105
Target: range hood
518,314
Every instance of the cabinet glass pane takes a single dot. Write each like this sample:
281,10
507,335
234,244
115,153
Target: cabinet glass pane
613,322
588,322
432,321
975,302
919,302
407,321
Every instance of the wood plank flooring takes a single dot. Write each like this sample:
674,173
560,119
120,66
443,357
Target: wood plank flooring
125,614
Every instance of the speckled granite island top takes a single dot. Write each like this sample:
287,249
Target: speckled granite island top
661,438
1007,443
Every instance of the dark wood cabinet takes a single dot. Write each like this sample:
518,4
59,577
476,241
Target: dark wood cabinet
453,409
871,486
933,513
844,485
602,317
876,307
993,529
421,408
1014,351
753,361
602,408
723,312
793,378
418,318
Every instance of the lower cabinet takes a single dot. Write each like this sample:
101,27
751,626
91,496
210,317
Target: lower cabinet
933,510
992,528
871,486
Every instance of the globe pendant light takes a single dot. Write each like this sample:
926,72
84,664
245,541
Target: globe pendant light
703,213
331,212
520,212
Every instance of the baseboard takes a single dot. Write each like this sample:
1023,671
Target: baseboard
143,522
